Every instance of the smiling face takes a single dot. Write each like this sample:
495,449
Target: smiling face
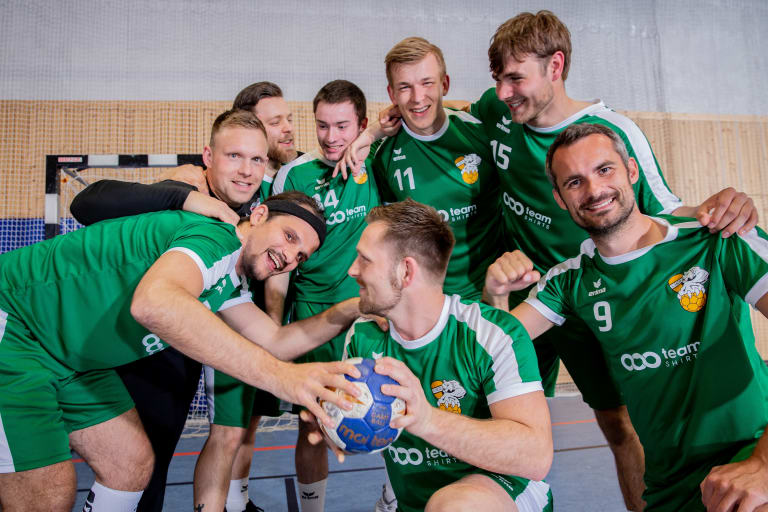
275,244
337,126
593,184
236,160
277,118
376,271
417,89
524,86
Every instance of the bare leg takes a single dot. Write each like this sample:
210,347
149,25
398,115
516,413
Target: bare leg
473,492
214,467
51,488
311,459
241,468
628,453
118,451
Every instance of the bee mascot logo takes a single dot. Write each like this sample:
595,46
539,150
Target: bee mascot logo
468,164
448,394
690,288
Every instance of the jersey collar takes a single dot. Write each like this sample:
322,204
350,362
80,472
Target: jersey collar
672,232
433,333
428,138
596,105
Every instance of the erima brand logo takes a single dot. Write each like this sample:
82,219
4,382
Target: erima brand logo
399,156
503,124
526,212
309,495
377,355
459,213
321,183
599,290
413,457
89,502
670,357
449,394
345,214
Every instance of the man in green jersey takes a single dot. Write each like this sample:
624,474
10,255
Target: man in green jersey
668,303
477,429
321,281
69,313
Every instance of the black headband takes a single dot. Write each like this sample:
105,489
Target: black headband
291,208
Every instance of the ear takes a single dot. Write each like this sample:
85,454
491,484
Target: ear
207,156
363,125
409,268
634,171
259,215
446,84
391,94
558,199
556,65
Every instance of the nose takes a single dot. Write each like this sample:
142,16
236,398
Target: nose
418,94
353,269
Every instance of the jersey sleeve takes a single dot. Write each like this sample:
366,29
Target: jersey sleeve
549,296
483,108
213,246
512,369
109,199
744,260
379,169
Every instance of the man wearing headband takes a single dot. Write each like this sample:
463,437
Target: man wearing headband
127,288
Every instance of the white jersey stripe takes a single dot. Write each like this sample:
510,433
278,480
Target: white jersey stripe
545,311
534,497
6,459
645,159
210,395
218,270
760,247
278,184
499,345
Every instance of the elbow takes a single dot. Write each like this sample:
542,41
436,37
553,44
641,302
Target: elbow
143,310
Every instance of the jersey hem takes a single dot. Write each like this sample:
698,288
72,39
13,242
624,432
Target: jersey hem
517,390
545,311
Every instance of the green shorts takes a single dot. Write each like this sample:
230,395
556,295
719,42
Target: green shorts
528,495
684,494
42,401
582,355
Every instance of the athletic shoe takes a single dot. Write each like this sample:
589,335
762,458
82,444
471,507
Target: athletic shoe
382,505
251,507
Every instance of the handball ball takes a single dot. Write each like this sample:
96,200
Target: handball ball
365,428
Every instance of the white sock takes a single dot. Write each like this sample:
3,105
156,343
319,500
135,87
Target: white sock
388,494
237,496
104,499
312,496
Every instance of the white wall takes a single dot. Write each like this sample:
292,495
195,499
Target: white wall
704,56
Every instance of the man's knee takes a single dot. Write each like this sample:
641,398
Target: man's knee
50,488
226,438
470,494
616,425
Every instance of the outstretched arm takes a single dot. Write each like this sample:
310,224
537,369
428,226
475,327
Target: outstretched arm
166,302
516,440
352,160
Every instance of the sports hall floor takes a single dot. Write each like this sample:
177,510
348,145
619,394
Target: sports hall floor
582,476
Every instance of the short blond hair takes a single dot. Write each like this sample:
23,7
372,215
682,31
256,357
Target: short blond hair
410,50
541,34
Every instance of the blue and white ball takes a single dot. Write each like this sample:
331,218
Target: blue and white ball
365,428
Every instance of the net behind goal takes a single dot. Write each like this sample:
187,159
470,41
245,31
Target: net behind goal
67,175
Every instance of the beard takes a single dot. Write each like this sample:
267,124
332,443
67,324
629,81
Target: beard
371,306
603,226
280,155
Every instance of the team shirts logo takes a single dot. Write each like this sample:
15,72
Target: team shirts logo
690,288
448,394
468,165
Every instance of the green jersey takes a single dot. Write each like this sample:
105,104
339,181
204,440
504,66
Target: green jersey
540,228
474,356
345,203
265,190
673,322
74,292
453,172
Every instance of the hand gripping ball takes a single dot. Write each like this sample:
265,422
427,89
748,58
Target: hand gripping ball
365,428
